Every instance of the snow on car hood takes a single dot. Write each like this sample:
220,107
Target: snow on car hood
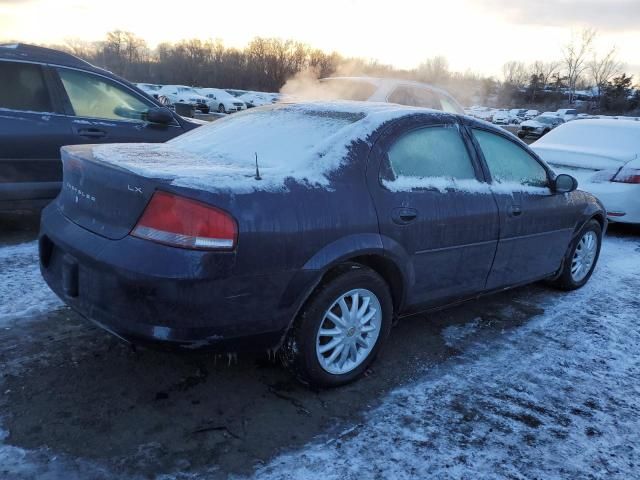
582,157
304,142
591,144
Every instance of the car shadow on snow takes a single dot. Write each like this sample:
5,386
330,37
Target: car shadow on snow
83,393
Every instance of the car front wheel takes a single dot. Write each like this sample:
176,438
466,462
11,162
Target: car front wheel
340,329
221,109
581,258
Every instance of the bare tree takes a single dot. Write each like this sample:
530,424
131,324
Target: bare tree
575,55
434,70
515,73
603,69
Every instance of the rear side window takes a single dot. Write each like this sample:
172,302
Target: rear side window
93,97
508,162
432,152
22,87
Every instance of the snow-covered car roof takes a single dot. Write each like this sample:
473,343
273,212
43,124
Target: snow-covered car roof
303,141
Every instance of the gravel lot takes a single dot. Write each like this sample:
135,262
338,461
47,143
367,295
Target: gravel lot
531,383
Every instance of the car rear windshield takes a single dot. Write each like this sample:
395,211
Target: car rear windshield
276,134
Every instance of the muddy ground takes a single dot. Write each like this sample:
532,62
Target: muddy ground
70,390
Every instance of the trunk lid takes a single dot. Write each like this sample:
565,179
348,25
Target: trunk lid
101,197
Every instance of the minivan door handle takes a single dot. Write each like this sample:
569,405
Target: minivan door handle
91,132
404,215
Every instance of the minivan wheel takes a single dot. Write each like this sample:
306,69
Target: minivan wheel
221,109
581,258
341,328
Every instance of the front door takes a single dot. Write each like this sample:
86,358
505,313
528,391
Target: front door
435,212
105,111
536,225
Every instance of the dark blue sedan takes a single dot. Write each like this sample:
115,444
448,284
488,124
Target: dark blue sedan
307,228
49,99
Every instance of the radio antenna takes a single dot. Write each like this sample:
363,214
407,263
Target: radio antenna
257,177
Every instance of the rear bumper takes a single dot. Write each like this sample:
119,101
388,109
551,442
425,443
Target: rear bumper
27,195
619,199
146,292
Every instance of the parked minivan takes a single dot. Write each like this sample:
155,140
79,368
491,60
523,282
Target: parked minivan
49,99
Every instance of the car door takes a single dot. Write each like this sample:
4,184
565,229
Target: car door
32,129
436,216
536,225
106,111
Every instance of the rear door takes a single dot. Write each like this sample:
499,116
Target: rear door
436,215
106,111
32,130
536,225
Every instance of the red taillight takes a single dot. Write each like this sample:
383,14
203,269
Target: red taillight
181,222
627,175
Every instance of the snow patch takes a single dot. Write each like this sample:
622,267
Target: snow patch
23,292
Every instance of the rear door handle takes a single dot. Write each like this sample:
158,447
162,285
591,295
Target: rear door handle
403,216
515,210
92,132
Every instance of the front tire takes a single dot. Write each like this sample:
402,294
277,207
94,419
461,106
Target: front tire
221,109
341,328
581,258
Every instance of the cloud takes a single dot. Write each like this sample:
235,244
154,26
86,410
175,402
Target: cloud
616,15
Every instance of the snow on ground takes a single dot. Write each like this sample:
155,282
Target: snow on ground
557,398
23,292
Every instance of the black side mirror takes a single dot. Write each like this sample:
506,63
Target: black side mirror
565,183
159,115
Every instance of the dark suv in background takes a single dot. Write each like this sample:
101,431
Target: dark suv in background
49,99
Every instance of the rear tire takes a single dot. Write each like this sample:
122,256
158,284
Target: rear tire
221,109
581,258
324,353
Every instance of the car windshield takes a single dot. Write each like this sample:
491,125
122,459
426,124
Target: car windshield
187,90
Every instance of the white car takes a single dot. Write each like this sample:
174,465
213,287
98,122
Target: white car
149,88
172,94
222,101
258,99
567,114
531,114
502,117
386,90
604,156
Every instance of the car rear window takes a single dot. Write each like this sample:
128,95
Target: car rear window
23,87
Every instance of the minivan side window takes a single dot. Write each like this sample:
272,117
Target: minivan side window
91,96
23,87
508,162
430,152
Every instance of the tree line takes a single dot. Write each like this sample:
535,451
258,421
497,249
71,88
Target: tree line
265,64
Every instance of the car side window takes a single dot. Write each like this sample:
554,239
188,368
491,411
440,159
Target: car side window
508,162
94,97
24,87
415,97
427,153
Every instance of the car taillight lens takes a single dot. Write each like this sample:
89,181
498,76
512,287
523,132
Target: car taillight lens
627,175
181,222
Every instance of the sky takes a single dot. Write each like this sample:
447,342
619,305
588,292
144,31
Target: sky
477,35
